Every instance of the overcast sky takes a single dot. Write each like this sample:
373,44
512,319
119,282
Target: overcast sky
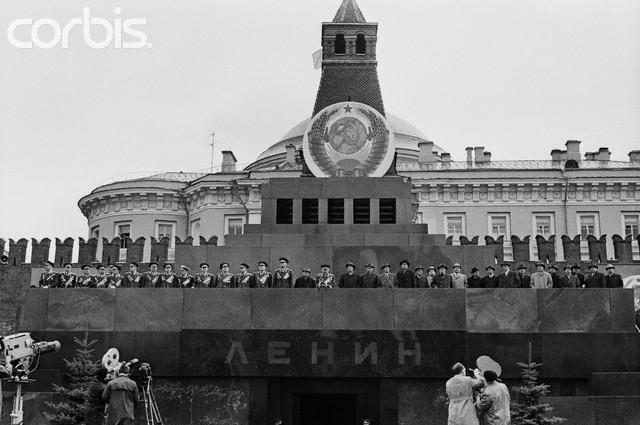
517,76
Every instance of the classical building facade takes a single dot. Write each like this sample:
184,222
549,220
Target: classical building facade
569,193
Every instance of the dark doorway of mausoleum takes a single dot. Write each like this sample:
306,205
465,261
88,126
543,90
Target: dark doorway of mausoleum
323,409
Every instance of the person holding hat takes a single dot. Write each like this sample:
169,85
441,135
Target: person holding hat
225,279
419,278
305,281
168,278
559,279
494,404
185,280
507,279
85,280
612,279
283,277
262,279
325,279
442,279
594,279
115,278
523,280
244,279
540,279
460,389
152,277
48,279
369,279
67,279
133,278
490,280
349,279
474,280
405,276
458,280
102,279
204,279
386,278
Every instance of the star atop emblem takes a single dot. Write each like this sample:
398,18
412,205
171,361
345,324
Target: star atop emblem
348,109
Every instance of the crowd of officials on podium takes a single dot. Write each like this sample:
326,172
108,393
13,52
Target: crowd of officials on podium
283,277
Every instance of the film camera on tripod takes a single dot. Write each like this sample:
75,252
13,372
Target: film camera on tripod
141,374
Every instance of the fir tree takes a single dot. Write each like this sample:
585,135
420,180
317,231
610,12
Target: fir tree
528,410
70,405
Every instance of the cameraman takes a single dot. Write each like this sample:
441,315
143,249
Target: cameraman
95,403
121,395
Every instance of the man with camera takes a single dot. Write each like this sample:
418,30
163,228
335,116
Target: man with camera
121,395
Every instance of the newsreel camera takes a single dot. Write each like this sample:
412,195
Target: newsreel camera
141,373
18,359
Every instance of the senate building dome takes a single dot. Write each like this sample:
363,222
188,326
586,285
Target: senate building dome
407,137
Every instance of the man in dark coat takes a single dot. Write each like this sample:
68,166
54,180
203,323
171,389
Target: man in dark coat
185,280
283,276
225,279
559,279
133,278
405,276
121,395
305,281
612,279
507,279
48,279
575,270
369,279
262,279
85,280
474,280
442,279
349,279
95,403
490,280
67,279
244,279
204,279
523,280
594,279
419,278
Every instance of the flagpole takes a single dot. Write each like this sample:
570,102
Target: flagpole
213,135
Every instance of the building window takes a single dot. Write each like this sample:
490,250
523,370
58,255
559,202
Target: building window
631,225
335,211
195,232
309,211
387,211
123,231
543,225
284,211
340,46
95,232
234,224
498,225
588,225
361,211
454,224
361,45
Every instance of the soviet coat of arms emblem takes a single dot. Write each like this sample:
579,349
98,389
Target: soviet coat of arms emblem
348,139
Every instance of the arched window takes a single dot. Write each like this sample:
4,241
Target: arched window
361,45
340,47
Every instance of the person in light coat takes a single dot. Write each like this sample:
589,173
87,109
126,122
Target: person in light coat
494,402
460,389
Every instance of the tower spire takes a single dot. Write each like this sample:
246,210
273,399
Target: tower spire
349,12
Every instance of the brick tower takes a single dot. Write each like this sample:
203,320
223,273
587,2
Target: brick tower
349,65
